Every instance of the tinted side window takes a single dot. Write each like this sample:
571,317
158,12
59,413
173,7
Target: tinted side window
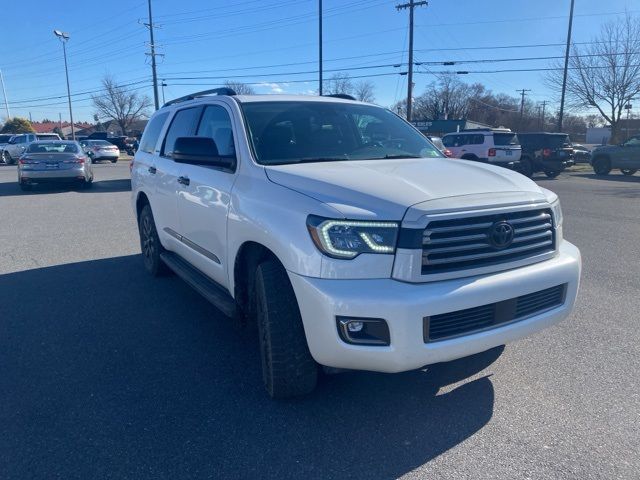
448,140
21,139
152,132
476,139
183,125
216,124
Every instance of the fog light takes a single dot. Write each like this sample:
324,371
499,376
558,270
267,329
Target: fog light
354,326
363,331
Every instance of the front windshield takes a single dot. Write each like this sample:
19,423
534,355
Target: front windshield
51,147
299,132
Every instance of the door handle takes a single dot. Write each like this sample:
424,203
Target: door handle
152,170
184,180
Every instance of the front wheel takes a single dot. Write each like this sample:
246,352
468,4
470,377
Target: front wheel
628,171
551,173
601,166
288,369
6,158
114,160
150,243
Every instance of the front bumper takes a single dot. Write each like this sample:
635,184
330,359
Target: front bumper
404,305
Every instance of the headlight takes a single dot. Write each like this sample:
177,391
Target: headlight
349,238
557,213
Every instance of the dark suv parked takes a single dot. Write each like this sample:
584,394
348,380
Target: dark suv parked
545,152
626,157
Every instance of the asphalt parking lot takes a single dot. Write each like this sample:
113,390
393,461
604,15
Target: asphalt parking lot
108,373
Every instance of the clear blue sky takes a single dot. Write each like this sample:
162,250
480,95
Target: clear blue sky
270,42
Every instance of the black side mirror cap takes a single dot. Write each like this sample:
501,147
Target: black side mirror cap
201,151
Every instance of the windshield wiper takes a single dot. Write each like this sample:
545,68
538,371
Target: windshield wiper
390,157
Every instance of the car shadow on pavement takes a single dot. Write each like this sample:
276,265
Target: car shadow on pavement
107,372
98,186
612,177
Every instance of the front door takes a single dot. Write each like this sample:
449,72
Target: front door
630,154
203,203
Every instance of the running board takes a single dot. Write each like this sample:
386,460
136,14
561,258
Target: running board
202,284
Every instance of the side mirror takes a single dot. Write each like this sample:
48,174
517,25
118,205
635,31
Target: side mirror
201,151
11,141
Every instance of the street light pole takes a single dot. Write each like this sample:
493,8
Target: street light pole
4,92
64,37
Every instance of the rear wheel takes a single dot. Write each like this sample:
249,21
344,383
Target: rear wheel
6,157
628,171
526,167
288,369
114,160
25,187
601,166
150,243
551,173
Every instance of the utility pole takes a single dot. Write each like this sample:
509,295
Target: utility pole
411,6
539,109
30,119
4,93
320,47
544,106
60,121
566,68
153,59
523,92
163,85
628,108
64,38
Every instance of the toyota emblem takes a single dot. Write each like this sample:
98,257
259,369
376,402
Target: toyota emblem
501,234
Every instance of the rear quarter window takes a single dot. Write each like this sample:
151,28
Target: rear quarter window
152,133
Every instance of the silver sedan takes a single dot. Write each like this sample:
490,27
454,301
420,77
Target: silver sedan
54,161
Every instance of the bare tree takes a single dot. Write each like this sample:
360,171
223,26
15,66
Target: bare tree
364,91
120,104
606,73
239,87
338,83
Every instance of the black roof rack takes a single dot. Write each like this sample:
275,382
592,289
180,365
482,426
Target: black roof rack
191,96
343,96
488,129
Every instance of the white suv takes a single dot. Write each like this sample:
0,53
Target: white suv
499,146
345,234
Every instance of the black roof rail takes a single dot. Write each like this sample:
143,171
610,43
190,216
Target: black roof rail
487,129
191,96
343,96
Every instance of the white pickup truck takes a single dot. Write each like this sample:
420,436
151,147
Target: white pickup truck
345,234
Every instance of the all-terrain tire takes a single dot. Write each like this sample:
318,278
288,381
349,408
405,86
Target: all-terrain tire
150,243
288,369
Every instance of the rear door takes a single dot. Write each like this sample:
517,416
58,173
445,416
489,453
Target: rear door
143,173
203,203
183,124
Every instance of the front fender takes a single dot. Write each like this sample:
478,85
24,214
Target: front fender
275,217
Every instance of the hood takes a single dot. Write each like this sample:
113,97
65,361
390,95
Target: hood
385,189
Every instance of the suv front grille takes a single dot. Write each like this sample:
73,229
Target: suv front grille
461,322
464,243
